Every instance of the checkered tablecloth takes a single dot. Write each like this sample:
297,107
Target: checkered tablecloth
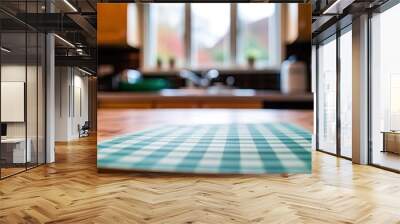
216,148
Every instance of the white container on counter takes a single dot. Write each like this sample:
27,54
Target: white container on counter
293,76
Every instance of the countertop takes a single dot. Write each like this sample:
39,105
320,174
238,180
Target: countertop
202,94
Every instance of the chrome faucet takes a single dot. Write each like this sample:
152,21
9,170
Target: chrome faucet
203,81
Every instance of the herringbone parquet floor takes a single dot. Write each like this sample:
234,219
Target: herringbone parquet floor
72,191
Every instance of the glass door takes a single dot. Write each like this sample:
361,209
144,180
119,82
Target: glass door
14,144
41,97
326,94
32,98
22,95
334,94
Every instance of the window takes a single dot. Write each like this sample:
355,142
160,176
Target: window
22,98
346,94
165,34
256,32
212,35
327,96
385,88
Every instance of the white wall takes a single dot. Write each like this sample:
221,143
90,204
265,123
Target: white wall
71,93
80,110
33,126
16,73
62,82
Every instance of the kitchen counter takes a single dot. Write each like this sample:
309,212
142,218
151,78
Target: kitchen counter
201,98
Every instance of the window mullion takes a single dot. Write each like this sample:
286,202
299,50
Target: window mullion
233,34
146,37
188,36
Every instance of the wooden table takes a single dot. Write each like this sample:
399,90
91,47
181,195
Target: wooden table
14,151
391,141
113,122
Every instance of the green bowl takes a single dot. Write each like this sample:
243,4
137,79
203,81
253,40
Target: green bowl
144,85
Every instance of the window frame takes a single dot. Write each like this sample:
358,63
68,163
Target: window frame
190,29
332,38
274,35
347,29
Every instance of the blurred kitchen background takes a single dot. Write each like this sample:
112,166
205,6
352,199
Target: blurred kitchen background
204,55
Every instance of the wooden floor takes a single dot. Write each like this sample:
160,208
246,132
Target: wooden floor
72,191
10,171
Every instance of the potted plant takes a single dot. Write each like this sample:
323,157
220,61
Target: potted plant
171,62
251,61
253,54
159,62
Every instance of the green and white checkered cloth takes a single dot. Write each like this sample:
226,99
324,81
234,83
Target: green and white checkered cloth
215,148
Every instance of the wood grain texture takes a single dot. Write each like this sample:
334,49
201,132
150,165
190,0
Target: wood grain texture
72,191
197,98
112,122
112,24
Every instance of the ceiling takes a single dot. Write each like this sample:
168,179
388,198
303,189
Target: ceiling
39,6
72,20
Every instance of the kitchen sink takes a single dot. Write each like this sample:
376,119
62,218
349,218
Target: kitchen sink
207,92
